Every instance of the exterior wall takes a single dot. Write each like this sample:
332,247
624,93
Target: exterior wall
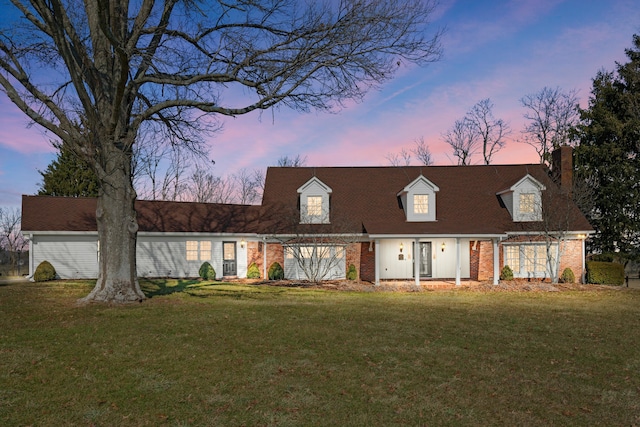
275,253
165,256
484,248
353,256
73,256
367,270
254,255
400,265
570,251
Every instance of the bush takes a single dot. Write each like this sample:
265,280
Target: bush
567,276
605,273
253,272
276,272
207,272
44,272
606,257
506,273
352,273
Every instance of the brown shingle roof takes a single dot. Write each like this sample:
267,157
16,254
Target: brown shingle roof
44,213
467,202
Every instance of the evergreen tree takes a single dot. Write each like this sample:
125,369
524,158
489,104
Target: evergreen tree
608,156
68,175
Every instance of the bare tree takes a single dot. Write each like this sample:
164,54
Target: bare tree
422,152
399,159
463,140
247,188
405,156
292,162
124,64
551,113
11,239
491,132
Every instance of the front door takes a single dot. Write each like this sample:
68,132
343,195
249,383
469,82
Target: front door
425,259
229,259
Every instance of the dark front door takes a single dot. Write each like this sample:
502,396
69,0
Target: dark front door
425,259
229,259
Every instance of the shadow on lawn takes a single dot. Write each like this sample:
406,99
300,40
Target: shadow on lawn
194,288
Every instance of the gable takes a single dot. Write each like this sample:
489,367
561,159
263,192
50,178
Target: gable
523,199
418,200
314,202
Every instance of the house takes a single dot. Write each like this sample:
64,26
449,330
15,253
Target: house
391,223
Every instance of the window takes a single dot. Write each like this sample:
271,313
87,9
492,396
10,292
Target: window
314,206
528,260
421,203
192,251
527,203
198,250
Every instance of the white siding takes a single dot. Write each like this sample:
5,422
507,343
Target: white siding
73,257
443,264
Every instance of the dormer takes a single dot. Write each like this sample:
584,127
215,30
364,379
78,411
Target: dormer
314,202
524,199
419,200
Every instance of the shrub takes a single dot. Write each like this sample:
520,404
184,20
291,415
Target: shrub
276,272
207,272
253,272
44,272
608,273
352,273
567,276
506,273
606,257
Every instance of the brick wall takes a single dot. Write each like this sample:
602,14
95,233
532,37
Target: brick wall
485,263
255,253
367,262
353,257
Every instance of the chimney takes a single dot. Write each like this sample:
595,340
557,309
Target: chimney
562,167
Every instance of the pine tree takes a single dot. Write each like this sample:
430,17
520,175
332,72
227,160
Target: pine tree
68,175
608,156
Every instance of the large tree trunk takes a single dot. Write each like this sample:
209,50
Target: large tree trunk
117,233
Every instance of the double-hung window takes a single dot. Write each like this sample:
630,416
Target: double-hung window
198,250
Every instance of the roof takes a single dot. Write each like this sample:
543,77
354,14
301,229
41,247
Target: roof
363,199
46,213
467,203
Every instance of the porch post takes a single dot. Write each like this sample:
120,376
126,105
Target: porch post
31,244
416,261
583,276
457,261
377,261
264,259
496,262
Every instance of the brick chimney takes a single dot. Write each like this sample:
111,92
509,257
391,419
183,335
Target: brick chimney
562,167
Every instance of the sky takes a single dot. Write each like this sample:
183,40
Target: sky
496,49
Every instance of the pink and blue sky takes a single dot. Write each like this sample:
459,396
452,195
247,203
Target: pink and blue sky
497,49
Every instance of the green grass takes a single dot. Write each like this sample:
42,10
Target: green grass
201,354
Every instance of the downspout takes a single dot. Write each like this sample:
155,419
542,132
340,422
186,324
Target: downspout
377,262
457,261
264,258
496,261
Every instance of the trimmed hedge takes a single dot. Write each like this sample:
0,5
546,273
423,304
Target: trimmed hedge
567,276
276,272
253,272
44,272
207,272
605,273
352,273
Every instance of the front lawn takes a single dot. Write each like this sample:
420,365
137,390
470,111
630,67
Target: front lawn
202,354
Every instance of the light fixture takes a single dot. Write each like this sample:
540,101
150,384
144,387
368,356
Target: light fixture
242,242
401,246
443,246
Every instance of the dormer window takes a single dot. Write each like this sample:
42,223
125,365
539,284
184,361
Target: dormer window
524,199
419,200
314,206
527,203
421,204
314,202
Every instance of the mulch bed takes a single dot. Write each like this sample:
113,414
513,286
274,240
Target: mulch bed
504,286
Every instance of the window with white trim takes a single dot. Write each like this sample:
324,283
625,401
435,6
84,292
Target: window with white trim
198,250
314,206
527,203
529,259
421,204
